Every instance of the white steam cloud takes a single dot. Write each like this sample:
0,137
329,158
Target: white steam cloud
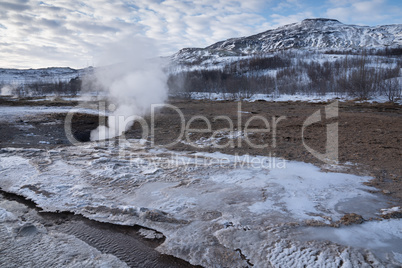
7,90
133,80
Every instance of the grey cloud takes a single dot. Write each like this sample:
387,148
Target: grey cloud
92,27
29,30
3,14
50,23
50,8
22,19
14,6
21,1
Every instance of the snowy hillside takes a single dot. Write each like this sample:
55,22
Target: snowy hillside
316,34
46,75
312,57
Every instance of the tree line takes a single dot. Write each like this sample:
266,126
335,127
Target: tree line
45,88
363,75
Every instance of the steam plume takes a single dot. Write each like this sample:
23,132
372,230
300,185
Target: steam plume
7,90
132,84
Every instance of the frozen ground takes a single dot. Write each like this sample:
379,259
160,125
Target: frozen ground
31,245
13,113
214,209
282,97
313,98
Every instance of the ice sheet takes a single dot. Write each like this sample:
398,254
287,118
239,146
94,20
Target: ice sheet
214,209
11,113
382,237
24,244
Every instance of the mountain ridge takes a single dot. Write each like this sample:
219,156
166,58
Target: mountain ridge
312,34
318,33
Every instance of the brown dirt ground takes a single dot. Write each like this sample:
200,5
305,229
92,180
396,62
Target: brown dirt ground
369,134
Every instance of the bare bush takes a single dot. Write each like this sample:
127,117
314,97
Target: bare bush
392,88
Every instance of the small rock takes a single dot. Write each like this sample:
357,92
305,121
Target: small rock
228,224
27,229
392,213
386,191
352,218
150,234
315,223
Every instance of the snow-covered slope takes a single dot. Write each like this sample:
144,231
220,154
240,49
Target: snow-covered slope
308,34
47,75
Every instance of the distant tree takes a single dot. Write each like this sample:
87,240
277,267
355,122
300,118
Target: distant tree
392,88
74,86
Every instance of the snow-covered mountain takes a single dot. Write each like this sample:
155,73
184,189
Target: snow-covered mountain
44,75
316,34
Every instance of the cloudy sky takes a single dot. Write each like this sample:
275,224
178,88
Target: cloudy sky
75,33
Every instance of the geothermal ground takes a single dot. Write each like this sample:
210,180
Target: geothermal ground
136,202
